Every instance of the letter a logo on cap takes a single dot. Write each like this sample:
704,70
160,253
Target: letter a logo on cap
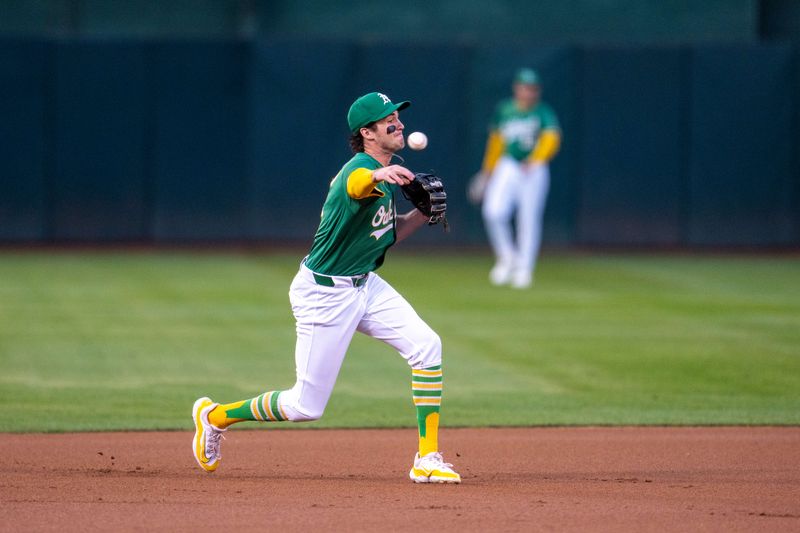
371,107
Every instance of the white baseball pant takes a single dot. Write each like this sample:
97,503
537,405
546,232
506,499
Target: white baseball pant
328,317
514,186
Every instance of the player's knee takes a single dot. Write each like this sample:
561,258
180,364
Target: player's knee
295,412
299,416
429,352
495,214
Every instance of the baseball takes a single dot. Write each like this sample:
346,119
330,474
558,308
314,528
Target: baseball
417,140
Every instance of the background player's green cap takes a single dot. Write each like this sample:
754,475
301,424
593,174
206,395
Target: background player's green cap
527,76
371,107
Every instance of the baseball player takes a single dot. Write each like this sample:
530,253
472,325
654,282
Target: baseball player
337,292
524,136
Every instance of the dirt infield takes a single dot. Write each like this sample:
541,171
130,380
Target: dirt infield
531,479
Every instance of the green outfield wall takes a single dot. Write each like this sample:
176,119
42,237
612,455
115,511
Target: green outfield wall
109,139
573,21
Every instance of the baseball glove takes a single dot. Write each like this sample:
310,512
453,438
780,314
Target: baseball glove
427,194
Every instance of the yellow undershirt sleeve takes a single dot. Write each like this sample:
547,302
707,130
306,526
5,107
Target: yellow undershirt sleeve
547,146
494,149
360,184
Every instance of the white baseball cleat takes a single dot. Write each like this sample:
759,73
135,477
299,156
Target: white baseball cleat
521,279
432,469
206,442
500,273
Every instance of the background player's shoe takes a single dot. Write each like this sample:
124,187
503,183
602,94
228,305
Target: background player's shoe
501,273
206,443
521,279
431,468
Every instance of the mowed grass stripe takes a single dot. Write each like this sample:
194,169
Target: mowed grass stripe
96,340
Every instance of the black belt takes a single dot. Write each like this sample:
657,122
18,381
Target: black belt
327,281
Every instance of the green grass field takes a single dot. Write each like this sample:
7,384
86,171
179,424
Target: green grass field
115,340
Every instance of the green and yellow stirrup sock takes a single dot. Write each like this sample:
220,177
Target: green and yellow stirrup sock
264,408
426,384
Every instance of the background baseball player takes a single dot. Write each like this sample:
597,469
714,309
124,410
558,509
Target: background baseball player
336,293
524,136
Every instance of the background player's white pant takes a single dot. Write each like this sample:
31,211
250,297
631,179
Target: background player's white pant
521,188
328,317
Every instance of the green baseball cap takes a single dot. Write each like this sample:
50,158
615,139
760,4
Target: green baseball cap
526,76
370,108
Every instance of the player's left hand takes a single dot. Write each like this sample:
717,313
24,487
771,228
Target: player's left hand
427,194
477,187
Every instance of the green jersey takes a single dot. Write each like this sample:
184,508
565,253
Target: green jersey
353,235
520,129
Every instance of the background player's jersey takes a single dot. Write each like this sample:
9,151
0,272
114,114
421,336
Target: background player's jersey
353,235
520,129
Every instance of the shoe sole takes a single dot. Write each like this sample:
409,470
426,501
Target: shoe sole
418,479
445,481
198,429
426,479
